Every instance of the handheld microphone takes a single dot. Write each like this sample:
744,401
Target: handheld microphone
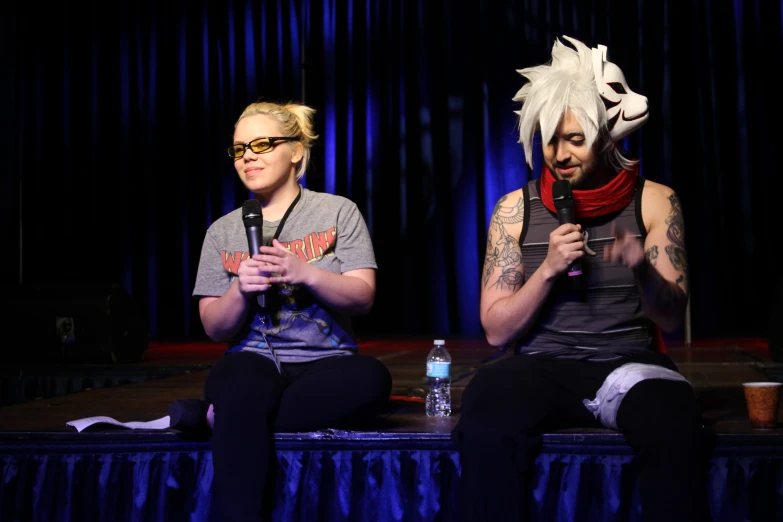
564,203
253,219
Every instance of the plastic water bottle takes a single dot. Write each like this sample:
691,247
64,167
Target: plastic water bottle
438,402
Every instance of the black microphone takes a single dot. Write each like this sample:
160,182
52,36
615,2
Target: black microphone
253,219
564,203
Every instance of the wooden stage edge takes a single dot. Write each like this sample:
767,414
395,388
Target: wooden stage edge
716,368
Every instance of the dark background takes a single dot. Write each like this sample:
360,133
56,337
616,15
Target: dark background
115,123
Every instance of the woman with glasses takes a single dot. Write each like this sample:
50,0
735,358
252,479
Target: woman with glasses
284,311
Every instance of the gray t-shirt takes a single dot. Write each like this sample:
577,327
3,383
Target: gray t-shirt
323,229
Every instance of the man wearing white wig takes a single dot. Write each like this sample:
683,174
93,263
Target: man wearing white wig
582,303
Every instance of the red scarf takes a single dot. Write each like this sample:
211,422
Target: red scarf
612,197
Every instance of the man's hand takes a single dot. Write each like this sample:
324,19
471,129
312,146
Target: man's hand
627,249
566,245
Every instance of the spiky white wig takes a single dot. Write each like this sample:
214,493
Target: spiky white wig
567,82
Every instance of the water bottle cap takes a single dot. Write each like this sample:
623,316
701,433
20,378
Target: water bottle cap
439,342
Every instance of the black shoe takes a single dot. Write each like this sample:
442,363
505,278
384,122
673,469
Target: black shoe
190,417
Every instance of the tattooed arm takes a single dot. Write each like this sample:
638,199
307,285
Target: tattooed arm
662,270
663,276
509,304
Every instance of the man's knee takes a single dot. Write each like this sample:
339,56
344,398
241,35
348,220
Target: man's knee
476,391
662,411
492,385
501,406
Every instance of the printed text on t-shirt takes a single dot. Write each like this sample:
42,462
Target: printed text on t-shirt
312,247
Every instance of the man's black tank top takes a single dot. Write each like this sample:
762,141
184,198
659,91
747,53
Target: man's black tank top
603,319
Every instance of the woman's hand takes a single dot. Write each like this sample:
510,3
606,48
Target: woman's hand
285,266
253,275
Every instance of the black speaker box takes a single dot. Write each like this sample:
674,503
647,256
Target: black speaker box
69,322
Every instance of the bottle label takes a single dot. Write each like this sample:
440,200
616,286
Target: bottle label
438,370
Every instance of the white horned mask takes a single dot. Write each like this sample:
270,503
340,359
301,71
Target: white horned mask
626,110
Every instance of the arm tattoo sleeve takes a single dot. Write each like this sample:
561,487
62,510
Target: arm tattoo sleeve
503,251
676,233
652,255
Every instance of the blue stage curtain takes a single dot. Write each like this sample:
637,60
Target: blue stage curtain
80,484
125,124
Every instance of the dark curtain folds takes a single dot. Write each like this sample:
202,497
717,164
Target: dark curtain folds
116,123
341,485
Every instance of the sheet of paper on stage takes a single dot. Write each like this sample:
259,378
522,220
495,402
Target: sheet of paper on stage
157,424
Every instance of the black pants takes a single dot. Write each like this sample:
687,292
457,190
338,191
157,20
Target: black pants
252,400
508,405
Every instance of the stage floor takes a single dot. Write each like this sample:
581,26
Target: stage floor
716,368
401,468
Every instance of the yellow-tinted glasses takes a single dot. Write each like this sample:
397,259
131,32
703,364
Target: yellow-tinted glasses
258,145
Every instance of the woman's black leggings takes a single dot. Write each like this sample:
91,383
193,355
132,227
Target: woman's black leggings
252,400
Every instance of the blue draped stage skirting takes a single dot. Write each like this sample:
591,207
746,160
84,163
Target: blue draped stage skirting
344,476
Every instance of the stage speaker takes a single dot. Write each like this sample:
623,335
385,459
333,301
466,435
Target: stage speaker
66,322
